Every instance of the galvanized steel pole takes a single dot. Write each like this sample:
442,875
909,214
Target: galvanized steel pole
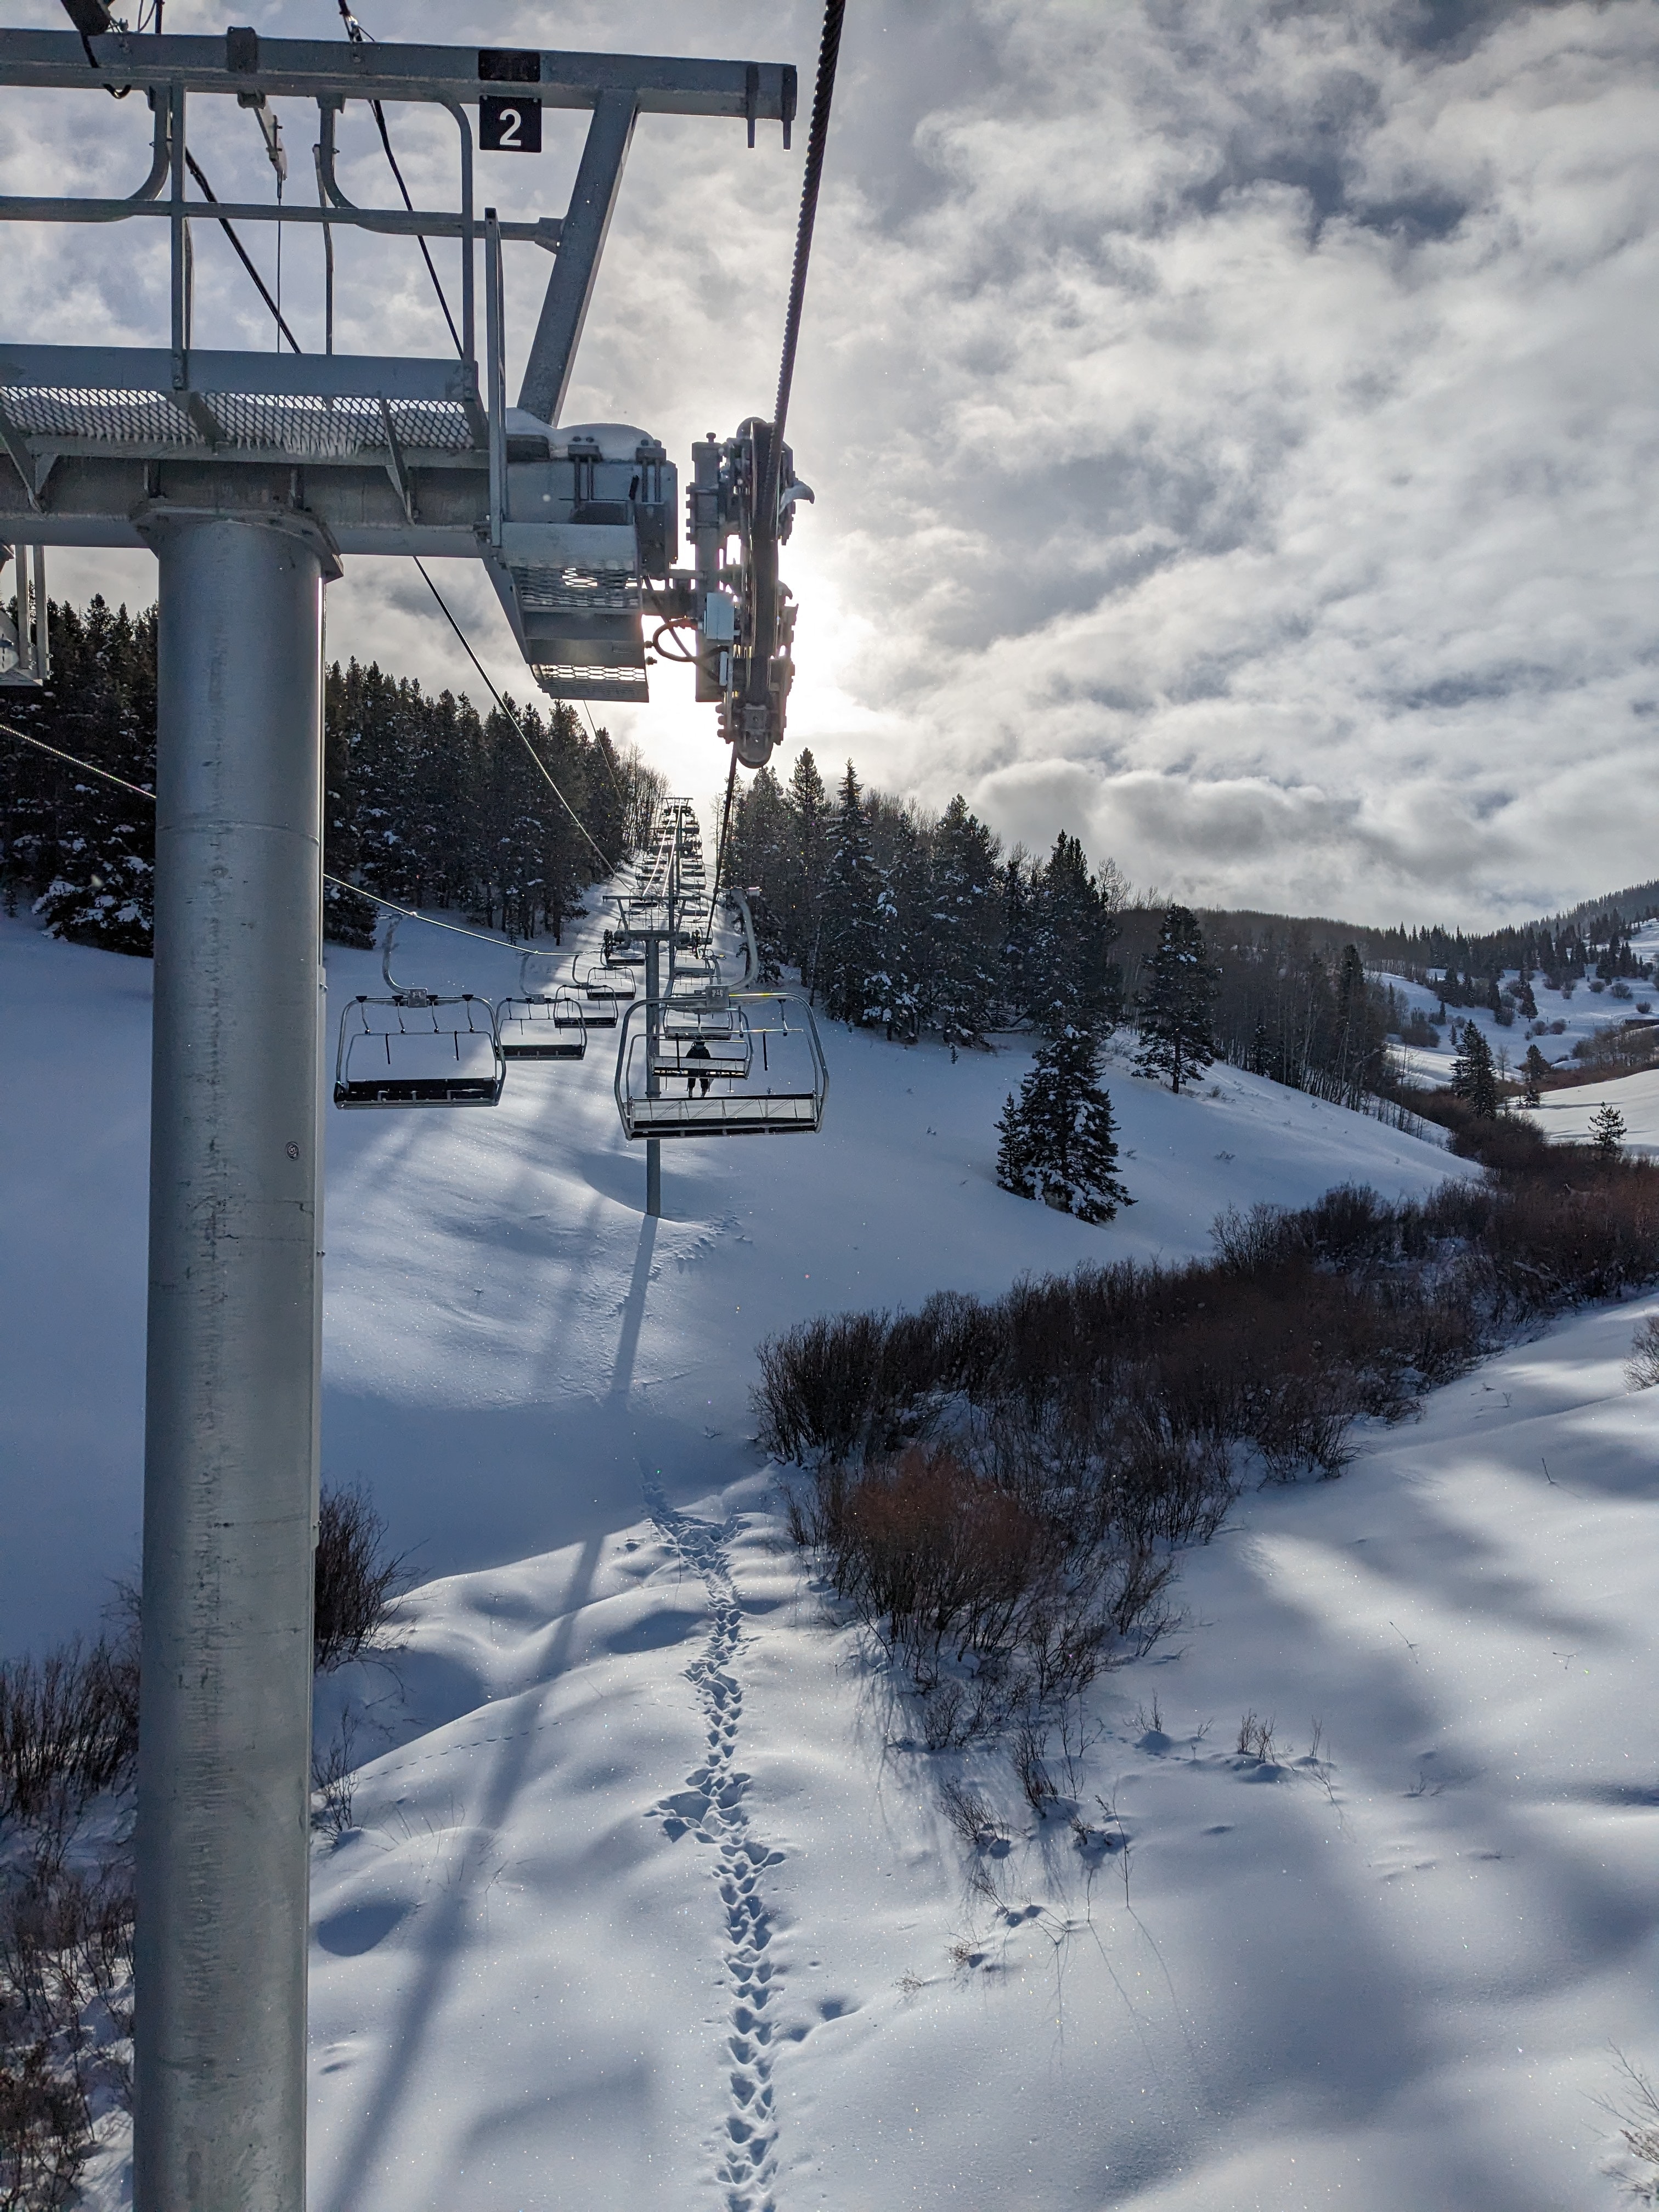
653,1080
232,1421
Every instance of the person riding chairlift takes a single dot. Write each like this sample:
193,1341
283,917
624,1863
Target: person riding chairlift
699,1051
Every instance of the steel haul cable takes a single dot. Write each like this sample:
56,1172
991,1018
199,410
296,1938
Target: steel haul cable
816,138
610,865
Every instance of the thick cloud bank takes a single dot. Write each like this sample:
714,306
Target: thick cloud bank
1232,425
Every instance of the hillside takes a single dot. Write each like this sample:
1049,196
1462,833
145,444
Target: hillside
648,1900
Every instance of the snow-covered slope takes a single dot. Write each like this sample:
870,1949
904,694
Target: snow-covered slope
647,1900
507,1341
1564,1116
1570,1015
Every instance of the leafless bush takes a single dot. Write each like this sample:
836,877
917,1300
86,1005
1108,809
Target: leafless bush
1635,2107
66,1944
969,1813
1255,1739
817,1385
44,2127
68,1728
1642,1368
356,1581
334,1780
1027,1753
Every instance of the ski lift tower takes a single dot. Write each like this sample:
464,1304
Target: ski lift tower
250,475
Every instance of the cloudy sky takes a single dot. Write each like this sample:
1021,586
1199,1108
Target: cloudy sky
1233,425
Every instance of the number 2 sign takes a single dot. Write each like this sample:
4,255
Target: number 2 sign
509,125
509,122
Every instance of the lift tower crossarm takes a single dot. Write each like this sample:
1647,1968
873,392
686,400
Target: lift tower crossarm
307,69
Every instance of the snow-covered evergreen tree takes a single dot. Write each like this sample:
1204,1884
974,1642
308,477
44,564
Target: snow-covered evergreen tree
905,913
757,863
1175,1001
95,844
962,989
850,970
1067,974
1472,1075
801,877
1058,1140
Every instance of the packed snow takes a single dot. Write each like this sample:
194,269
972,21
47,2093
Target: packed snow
644,1897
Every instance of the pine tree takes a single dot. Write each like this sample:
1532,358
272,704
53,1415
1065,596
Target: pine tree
95,843
1067,975
850,968
1058,1138
1174,1009
1608,1133
962,988
1534,1068
1473,1076
905,917
802,883
1359,1030
756,864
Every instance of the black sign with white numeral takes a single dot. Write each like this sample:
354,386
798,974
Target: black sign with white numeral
509,124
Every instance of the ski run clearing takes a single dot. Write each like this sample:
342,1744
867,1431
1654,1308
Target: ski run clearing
645,1899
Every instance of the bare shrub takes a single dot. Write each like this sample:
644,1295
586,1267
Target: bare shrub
65,1941
356,1581
1642,1368
1635,2107
945,1713
969,1815
44,2127
1255,1739
68,1728
334,1779
1027,1753
817,1387
929,1552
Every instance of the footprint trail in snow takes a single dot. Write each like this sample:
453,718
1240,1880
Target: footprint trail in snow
712,1808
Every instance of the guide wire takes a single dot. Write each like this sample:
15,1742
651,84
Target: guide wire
610,865
212,197
143,791
360,37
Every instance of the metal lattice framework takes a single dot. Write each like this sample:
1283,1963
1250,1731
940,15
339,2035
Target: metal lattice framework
381,454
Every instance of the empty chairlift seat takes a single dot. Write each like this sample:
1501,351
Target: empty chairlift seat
543,1026
418,1049
765,1077
602,990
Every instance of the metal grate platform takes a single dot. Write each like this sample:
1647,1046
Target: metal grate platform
560,680
575,591
138,402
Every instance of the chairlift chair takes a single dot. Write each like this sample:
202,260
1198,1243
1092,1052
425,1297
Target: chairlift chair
711,1016
770,1080
602,988
541,1024
417,1048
